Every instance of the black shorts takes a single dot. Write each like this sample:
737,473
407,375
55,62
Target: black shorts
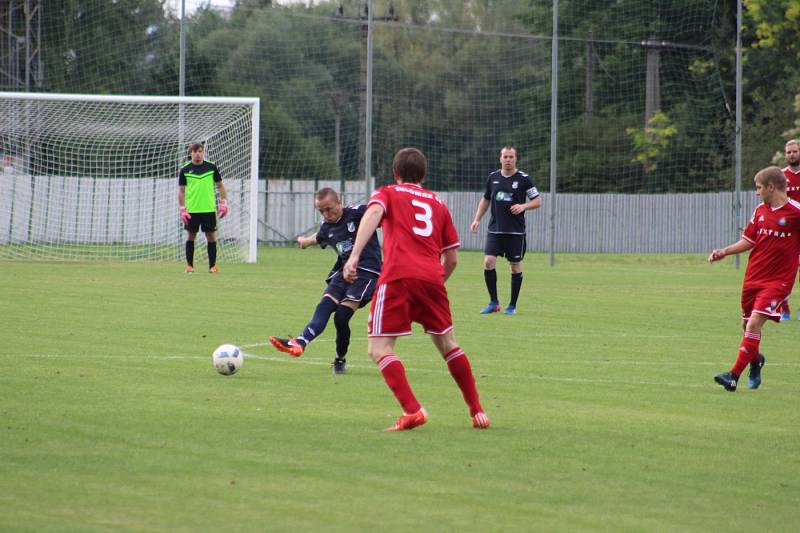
360,290
205,221
512,247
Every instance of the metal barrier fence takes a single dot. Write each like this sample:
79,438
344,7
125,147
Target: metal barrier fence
585,223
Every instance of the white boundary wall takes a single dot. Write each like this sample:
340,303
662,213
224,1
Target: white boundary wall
585,223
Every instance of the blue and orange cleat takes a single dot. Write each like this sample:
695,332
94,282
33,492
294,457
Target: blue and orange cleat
289,346
410,421
493,307
213,270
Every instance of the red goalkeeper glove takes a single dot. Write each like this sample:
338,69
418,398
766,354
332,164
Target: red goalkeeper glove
185,216
222,210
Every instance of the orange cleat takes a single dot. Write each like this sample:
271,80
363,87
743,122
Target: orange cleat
289,346
480,421
213,270
188,269
409,421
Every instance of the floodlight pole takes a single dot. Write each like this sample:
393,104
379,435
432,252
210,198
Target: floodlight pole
737,195
368,110
553,133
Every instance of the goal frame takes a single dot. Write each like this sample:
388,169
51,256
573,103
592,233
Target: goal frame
252,250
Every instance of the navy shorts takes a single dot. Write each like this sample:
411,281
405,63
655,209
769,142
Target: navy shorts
361,290
512,247
205,221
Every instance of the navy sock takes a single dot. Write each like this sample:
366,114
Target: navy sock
316,326
490,276
190,253
342,322
516,284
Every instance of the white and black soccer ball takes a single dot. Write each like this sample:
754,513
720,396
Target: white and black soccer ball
227,359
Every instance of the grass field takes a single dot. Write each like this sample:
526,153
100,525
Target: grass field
605,416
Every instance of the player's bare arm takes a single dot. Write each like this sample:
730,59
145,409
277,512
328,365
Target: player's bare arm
536,203
742,245
305,242
369,223
223,193
483,205
449,261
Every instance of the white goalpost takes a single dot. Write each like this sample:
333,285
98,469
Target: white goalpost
96,177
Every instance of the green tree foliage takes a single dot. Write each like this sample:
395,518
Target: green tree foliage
651,141
105,47
457,94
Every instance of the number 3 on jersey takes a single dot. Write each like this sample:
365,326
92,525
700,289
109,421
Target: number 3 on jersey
424,217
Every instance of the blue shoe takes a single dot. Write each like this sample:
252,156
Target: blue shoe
787,316
511,310
493,307
339,366
727,380
754,377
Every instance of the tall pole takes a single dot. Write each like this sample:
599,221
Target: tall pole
737,195
553,133
182,54
368,118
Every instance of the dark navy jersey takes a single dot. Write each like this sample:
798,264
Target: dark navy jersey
341,235
503,192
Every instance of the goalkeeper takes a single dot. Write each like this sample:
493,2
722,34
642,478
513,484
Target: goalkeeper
197,180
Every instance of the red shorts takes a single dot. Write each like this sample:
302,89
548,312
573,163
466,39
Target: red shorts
768,302
395,305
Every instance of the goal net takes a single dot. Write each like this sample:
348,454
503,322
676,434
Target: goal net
95,177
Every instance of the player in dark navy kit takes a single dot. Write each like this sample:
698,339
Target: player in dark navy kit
341,298
510,192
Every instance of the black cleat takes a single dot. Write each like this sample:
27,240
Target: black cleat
727,380
339,366
754,377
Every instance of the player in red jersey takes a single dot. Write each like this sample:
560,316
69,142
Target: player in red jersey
791,152
773,235
420,247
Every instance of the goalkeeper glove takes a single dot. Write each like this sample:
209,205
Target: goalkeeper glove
185,216
222,210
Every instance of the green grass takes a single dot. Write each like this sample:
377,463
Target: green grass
605,416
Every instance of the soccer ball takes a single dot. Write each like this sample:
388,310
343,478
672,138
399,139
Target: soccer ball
227,359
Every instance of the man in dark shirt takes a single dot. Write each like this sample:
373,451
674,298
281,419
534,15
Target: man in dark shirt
340,298
510,192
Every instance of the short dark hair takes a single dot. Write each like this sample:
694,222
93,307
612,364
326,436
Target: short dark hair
509,147
325,192
410,164
196,146
773,175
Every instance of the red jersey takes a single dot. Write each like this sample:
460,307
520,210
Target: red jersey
775,234
792,183
417,228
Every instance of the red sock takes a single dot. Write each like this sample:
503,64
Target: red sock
748,351
460,369
394,373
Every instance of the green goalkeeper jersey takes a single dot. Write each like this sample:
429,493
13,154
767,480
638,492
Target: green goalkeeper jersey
199,181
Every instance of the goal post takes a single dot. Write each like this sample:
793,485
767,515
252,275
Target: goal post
96,177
